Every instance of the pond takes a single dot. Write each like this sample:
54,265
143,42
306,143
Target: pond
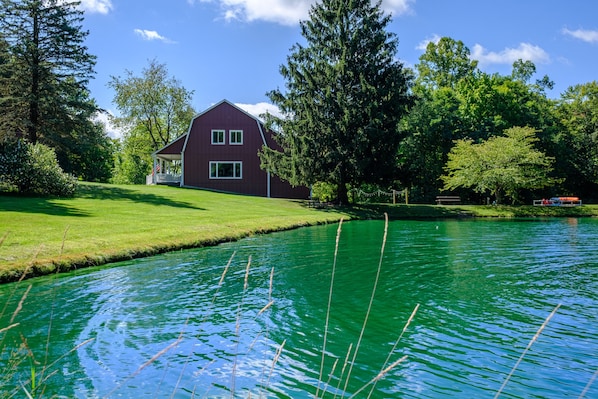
249,318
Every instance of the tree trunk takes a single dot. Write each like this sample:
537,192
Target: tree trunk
342,196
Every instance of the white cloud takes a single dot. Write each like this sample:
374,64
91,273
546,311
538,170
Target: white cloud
96,6
525,51
260,108
284,12
111,129
423,45
152,35
590,36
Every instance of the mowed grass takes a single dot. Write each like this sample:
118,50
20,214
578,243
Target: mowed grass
106,223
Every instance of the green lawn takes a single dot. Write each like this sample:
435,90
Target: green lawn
106,223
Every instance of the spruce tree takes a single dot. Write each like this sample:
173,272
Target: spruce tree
50,68
345,94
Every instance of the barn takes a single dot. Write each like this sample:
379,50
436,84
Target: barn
220,152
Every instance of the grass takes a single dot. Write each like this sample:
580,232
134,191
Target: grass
106,223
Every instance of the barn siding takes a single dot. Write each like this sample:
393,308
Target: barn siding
199,151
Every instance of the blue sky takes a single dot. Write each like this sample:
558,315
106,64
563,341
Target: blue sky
233,49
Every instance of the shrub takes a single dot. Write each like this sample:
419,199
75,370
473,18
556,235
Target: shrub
33,169
324,192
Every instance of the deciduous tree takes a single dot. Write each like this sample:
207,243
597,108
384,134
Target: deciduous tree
578,141
501,165
345,94
154,104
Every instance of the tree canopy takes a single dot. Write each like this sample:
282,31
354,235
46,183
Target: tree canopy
44,71
154,109
345,94
153,103
501,165
50,67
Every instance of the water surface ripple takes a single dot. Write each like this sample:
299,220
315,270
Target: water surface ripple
168,326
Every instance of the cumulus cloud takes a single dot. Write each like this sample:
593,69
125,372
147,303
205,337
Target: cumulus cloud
260,108
285,12
423,45
525,51
105,119
151,35
590,36
96,6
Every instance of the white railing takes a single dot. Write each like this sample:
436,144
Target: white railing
163,178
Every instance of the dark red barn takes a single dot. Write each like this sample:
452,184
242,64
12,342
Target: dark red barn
220,152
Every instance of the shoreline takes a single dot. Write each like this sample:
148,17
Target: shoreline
108,223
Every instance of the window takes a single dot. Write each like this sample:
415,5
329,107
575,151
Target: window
226,170
236,137
218,136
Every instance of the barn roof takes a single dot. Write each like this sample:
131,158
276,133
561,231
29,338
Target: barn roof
174,149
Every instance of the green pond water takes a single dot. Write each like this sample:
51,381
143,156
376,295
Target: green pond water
168,326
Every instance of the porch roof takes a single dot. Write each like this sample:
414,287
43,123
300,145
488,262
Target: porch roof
173,150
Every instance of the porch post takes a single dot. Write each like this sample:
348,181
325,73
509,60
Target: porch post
154,179
268,184
182,169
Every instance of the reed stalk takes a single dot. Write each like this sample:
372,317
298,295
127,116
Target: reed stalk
340,379
367,314
380,375
588,385
206,315
238,328
275,360
146,364
330,375
529,345
395,346
326,323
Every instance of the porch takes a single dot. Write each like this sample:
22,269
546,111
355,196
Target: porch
171,179
167,170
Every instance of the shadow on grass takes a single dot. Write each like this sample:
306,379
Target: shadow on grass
112,193
377,211
47,206
50,205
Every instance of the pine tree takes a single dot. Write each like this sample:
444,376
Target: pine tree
345,94
50,67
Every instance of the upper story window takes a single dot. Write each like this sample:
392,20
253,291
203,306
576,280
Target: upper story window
235,137
218,136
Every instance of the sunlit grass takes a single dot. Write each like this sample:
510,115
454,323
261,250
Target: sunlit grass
105,223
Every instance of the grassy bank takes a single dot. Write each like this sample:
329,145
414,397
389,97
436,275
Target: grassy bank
107,223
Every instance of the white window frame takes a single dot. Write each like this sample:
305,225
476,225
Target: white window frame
234,163
214,142
231,134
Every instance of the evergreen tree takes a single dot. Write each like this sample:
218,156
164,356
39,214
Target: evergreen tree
50,67
345,94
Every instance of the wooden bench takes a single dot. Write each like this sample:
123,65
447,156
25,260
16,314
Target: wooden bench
448,199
